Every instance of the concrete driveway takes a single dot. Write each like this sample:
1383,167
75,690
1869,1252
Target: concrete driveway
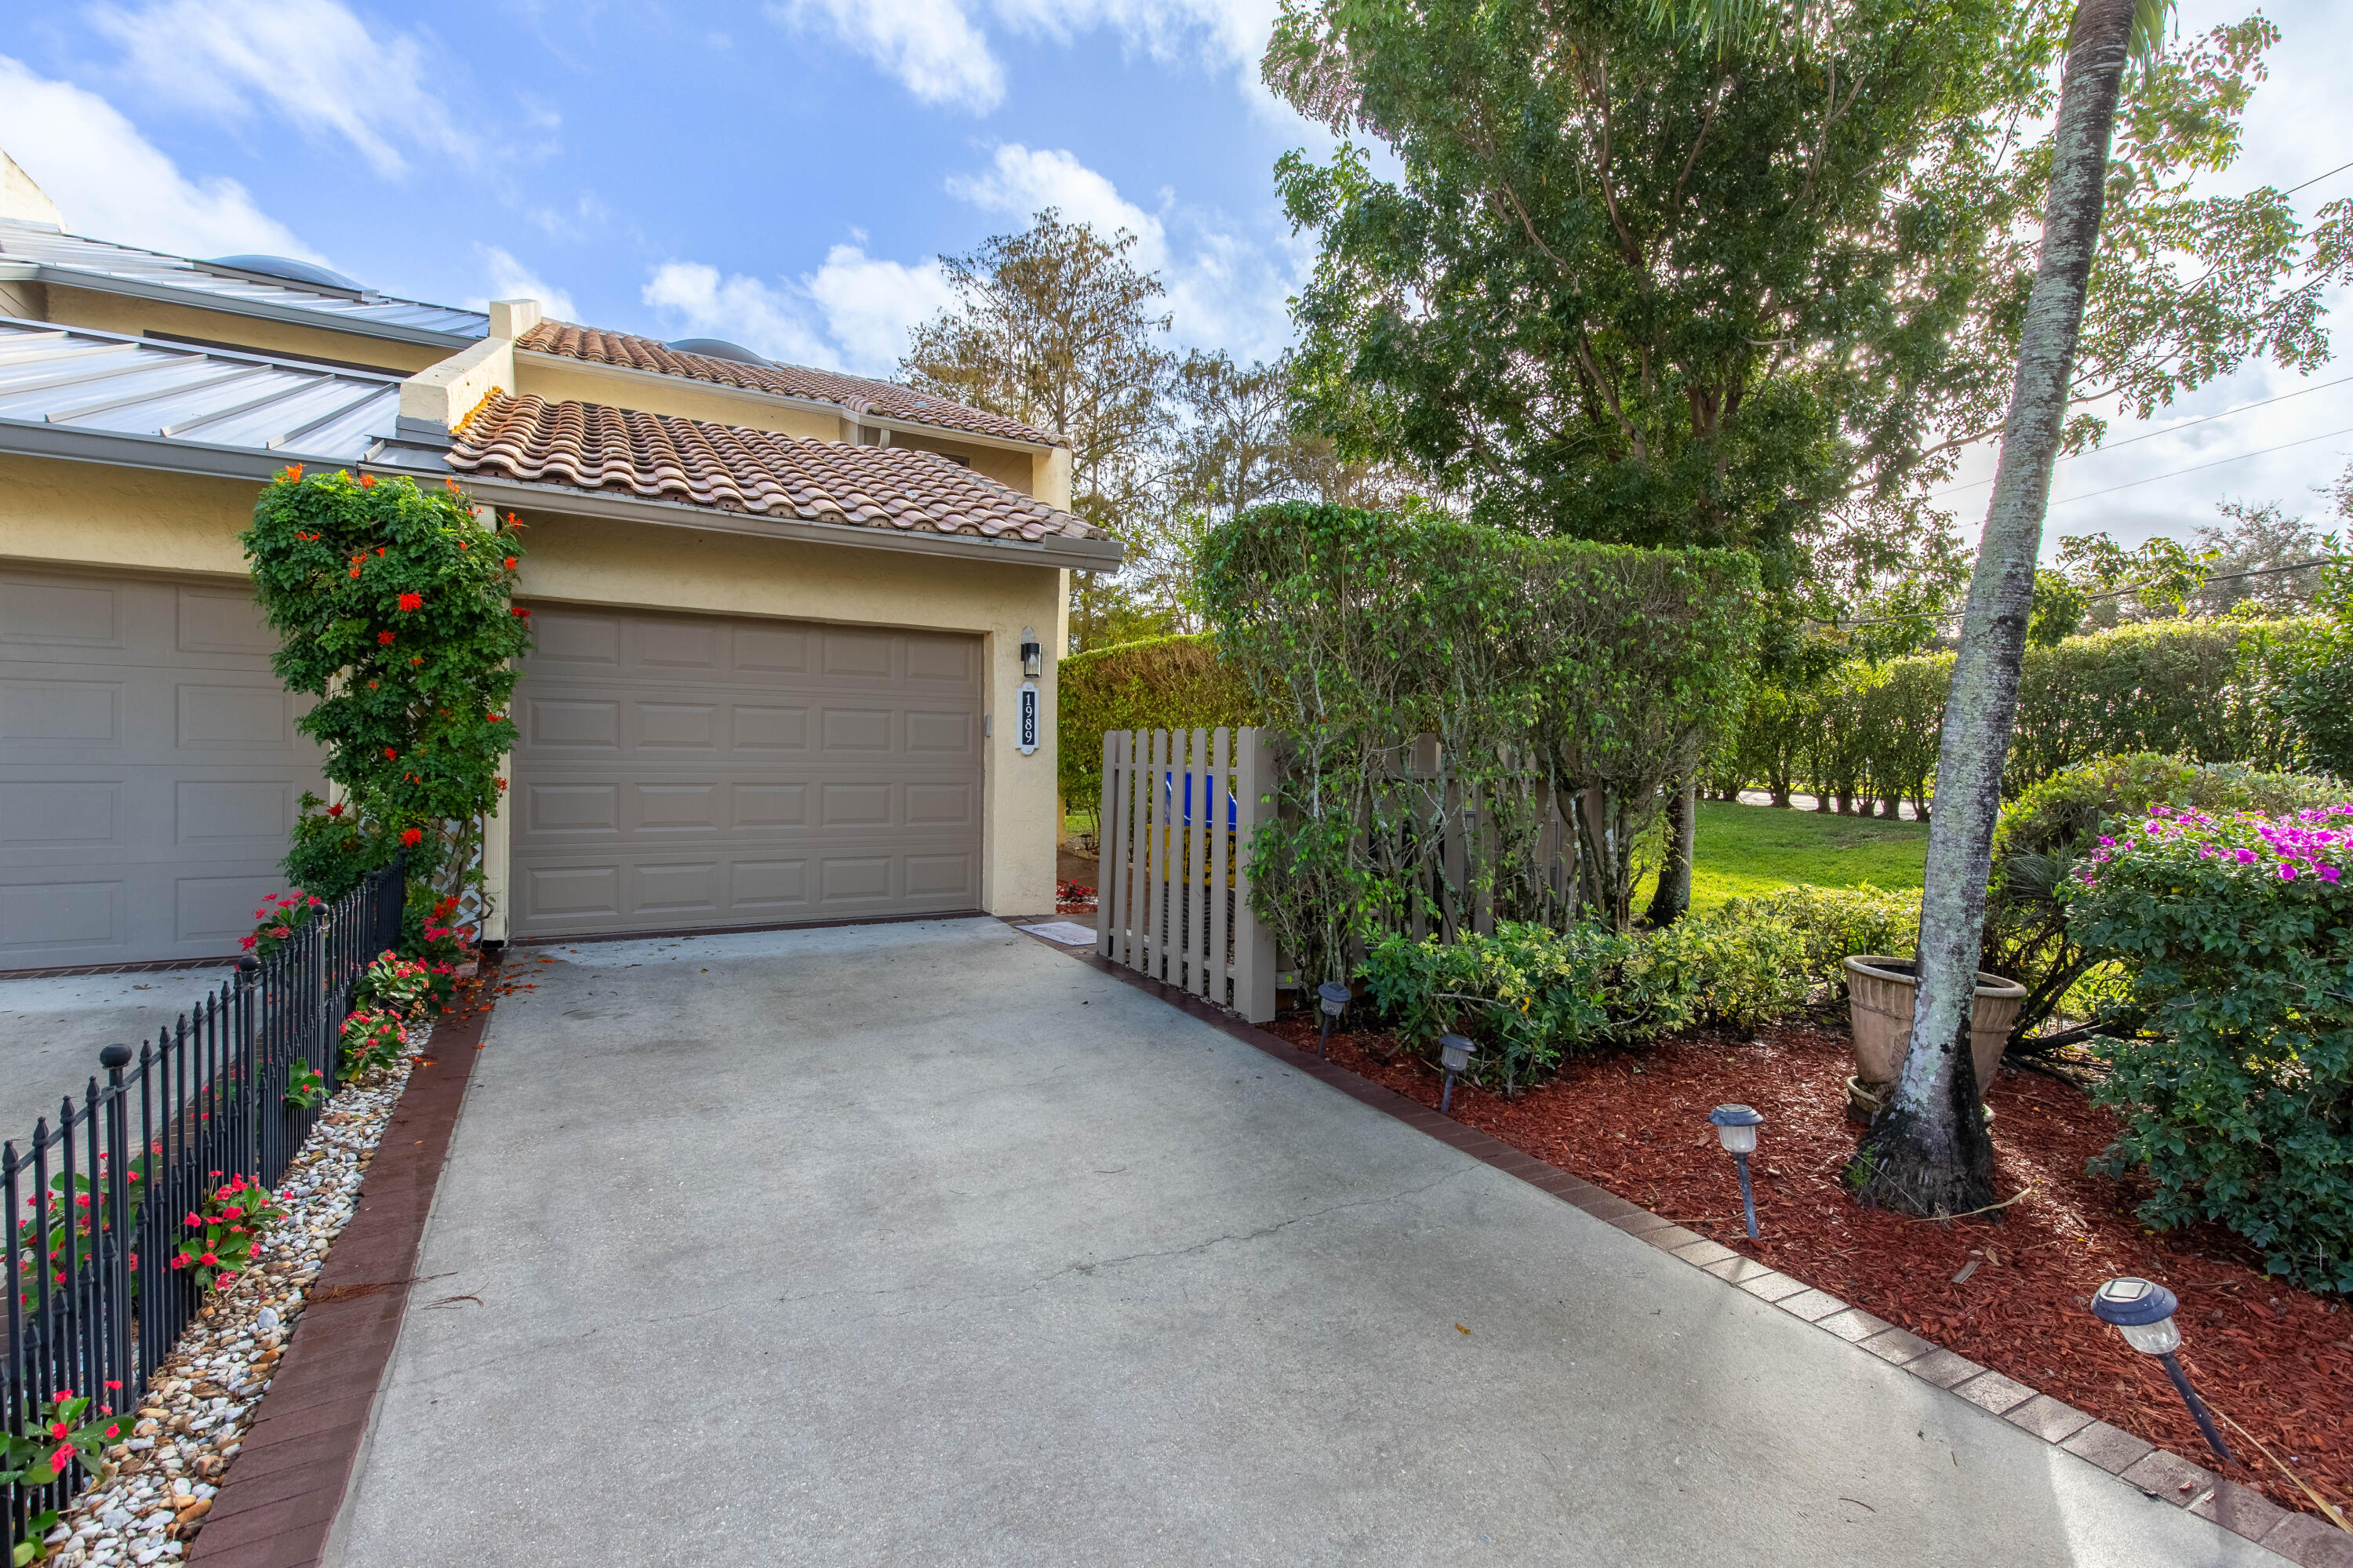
51,1030
923,1244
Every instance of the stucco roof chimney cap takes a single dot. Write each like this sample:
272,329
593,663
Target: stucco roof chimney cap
23,201
286,267
718,348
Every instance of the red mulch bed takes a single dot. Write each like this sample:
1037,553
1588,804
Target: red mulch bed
2278,1361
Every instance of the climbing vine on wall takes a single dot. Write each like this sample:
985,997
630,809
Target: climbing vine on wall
394,607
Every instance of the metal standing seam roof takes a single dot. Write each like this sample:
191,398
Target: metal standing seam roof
58,381
40,246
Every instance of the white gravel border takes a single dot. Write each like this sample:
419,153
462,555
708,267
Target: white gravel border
204,1395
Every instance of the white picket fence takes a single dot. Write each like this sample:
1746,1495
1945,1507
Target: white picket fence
1179,808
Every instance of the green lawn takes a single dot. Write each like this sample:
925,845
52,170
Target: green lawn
1755,849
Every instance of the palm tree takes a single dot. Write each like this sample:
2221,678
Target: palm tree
1926,1151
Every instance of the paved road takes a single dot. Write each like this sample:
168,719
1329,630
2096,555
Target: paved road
926,1245
51,1031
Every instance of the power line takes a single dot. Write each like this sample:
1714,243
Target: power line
2152,435
2199,468
2318,178
2110,593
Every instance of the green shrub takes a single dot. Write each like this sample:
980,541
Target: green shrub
1528,995
1832,922
2237,1094
2045,830
1532,996
1161,682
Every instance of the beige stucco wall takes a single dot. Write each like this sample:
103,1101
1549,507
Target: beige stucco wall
71,513
122,313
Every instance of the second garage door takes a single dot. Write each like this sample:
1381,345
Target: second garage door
681,772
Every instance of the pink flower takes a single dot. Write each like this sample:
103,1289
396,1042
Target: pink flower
2246,857
2288,871
2328,873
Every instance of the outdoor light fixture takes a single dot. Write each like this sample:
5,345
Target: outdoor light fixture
2142,1310
1334,997
1454,1055
1033,657
1736,1126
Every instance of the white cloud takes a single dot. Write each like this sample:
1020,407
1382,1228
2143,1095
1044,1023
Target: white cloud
1226,290
511,279
939,49
310,61
852,313
112,184
933,46
1020,182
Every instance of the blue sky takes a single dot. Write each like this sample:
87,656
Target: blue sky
786,173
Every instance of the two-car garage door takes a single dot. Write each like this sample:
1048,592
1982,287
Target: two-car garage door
684,772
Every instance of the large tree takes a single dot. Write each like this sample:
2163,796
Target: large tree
1056,326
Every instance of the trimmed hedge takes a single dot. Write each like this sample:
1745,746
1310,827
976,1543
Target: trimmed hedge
1159,683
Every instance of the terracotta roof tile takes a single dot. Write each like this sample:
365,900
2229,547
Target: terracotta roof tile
887,399
735,468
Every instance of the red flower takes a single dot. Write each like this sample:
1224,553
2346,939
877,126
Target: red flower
60,1430
334,810
412,601
412,836
511,563
384,636
248,941
367,481
390,754
192,1221
209,1260
114,1382
499,782
356,571
494,718
519,609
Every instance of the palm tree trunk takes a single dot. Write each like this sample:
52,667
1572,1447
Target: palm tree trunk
1927,1151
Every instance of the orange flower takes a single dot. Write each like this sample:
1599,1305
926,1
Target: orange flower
293,474
367,481
511,563
356,571
452,485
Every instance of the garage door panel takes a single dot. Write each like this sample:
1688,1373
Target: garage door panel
46,612
221,620
744,772
856,655
562,642
41,920
953,660
943,875
213,815
213,718
770,651
768,806
71,714
150,768
755,727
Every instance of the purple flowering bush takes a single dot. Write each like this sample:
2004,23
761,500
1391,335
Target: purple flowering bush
2237,1094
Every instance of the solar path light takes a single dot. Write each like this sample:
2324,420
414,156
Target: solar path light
1454,1055
1334,998
1736,1126
2142,1310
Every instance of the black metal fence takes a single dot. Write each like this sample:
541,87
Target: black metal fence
97,1202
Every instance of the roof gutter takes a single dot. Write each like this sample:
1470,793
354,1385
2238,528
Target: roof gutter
163,293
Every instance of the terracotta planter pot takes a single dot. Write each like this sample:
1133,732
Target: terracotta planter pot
1880,991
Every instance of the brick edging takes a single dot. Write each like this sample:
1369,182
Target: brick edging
286,1484
2299,1537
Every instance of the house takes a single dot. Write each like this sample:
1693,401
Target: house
785,617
